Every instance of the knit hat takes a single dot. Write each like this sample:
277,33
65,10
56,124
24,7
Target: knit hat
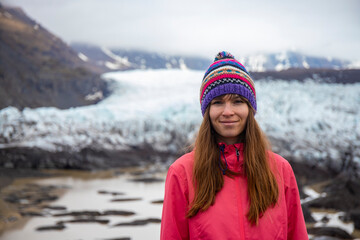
225,76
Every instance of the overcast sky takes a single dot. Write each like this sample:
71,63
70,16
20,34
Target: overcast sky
329,28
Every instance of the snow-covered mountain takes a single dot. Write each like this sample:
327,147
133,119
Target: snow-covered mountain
120,59
159,109
291,59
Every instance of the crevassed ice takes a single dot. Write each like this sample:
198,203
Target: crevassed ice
161,108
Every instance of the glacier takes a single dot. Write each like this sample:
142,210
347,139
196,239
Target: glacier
309,121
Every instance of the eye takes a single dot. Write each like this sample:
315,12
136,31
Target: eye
238,101
215,102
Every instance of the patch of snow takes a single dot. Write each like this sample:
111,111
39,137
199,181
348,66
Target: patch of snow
312,194
282,56
95,96
112,66
83,57
280,67
305,64
334,221
284,62
182,64
36,27
168,66
354,65
119,60
256,63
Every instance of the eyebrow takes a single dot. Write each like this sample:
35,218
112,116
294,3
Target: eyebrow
233,96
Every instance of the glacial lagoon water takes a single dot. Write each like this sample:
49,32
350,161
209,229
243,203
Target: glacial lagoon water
82,194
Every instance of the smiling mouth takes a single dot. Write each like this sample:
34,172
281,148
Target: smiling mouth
228,122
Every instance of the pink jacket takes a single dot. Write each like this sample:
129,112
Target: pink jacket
226,219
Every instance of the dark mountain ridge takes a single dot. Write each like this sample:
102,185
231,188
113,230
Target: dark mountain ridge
38,69
344,76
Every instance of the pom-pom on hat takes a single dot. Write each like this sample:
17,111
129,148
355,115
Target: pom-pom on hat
226,76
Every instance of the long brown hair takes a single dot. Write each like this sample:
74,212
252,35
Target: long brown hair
208,179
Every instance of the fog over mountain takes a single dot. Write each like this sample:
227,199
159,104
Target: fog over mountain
328,28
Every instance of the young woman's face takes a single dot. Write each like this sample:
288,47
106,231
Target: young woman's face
228,115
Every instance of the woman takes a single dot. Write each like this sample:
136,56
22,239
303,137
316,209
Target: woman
231,186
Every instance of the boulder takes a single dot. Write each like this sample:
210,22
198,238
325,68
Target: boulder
329,231
355,217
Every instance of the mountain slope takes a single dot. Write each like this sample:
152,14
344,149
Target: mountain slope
120,59
290,59
38,69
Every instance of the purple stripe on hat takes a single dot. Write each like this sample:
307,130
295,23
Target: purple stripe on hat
227,88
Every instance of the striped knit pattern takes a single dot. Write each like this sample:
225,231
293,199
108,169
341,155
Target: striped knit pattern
226,76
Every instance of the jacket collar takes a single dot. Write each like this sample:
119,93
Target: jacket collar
234,155
232,147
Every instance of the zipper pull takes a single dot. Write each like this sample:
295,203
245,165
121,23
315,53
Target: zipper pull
237,153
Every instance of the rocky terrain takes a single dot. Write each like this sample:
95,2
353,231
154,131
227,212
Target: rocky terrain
85,159
38,69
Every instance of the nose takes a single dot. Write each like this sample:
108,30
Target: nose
228,109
